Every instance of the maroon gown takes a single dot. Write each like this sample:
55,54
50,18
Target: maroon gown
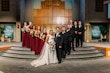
37,40
42,43
23,39
27,40
33,43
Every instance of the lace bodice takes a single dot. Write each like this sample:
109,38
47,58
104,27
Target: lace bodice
51,39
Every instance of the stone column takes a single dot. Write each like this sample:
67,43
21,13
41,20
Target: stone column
87,33
18,32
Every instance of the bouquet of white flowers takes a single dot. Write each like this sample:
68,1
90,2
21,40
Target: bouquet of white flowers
52,45
23,29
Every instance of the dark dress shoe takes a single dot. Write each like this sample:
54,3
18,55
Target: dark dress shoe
74,50
64,57
68,53
59,62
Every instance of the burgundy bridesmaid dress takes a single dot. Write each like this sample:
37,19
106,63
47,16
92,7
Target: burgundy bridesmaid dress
27,41
42,42
29,38
33,43
30,27
37,46
23,38
41,45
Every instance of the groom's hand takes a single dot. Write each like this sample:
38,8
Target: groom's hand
60,46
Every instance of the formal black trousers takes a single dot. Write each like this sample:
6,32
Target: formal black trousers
80,40
64,50
59,53
76,41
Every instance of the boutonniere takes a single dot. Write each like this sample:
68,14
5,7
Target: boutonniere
58,36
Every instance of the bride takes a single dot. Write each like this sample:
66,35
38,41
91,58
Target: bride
48,54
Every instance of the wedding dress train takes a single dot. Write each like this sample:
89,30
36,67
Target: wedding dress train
48,54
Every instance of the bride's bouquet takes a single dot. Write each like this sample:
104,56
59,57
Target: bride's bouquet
52,45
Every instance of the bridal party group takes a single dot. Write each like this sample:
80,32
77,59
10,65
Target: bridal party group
33,37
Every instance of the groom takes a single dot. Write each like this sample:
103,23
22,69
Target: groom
59,41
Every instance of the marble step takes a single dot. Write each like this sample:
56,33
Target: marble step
20,49
87,50
20,52
19,56
89,54
25,53
84,56
84,52
90,48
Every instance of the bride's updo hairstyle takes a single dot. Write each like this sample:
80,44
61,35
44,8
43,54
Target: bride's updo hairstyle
51,32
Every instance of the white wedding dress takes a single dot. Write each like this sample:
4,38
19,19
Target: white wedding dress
48,54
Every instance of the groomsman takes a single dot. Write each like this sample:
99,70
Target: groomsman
80,33
76,33
65,41
70,33
59,41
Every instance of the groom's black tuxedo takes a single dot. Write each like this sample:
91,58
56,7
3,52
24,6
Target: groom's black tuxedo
59,42
58,39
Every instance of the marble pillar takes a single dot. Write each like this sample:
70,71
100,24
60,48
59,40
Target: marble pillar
87,32
17,32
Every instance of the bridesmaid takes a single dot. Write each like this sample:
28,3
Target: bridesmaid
32,39
29,35
39,31
37,40
42,39
43,34
30,25
23,34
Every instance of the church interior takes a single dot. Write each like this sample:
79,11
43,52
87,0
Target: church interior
16,54
52,13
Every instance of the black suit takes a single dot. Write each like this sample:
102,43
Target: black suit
65,43
80,36
70,34
59,42
76,36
